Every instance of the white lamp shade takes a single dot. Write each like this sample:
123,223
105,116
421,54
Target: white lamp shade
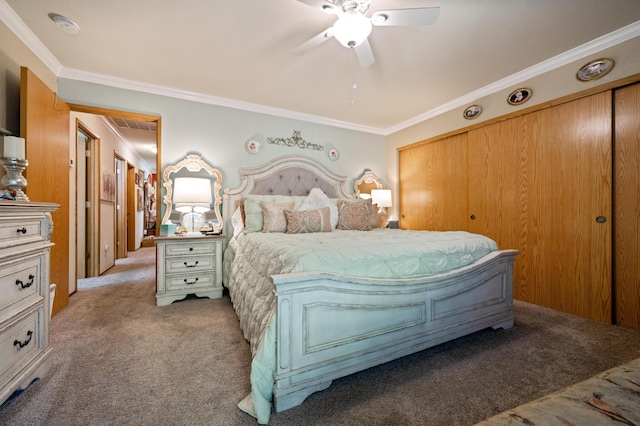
352,28
192,194
381,197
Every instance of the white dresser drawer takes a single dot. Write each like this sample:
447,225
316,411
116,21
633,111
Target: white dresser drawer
189,264
20,280
15,229
189,282
20,343
204,247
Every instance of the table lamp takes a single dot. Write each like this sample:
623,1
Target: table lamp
192,197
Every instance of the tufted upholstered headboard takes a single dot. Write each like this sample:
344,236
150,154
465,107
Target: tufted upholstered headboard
286,175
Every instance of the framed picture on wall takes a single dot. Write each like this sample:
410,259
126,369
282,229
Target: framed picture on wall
140,177
140,199
108,186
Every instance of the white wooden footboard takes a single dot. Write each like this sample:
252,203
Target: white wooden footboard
329,326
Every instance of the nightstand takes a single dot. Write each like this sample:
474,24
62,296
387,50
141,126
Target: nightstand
188,265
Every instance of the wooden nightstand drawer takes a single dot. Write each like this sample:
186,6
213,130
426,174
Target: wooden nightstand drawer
20,280
20,342
187,264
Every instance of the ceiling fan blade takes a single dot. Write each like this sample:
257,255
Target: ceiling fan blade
418,16
364,54
313,42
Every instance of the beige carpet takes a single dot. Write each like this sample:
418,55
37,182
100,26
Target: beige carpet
120,360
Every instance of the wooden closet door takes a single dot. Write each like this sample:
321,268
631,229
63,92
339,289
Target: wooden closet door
498,184
627,206
433,185
538,183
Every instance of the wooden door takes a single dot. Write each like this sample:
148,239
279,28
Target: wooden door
538,183
44,123
433,185
498,184
627,206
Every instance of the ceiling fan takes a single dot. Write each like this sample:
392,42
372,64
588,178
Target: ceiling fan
353,26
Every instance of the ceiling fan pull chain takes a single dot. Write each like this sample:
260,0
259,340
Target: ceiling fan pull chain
354,86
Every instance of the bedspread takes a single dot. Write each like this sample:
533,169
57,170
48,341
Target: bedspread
252,258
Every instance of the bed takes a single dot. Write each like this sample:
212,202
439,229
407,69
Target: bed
311,318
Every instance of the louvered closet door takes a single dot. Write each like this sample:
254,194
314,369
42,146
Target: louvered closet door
540,182
433,185
627,206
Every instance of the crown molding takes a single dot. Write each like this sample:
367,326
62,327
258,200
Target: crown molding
78,75
608,40
13,21
20,29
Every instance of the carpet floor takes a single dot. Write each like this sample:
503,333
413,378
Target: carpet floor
118,359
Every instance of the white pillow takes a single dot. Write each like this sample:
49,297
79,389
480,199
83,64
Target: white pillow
237,223
317,200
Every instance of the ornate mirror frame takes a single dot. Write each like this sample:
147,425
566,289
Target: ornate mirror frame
193,163
366,183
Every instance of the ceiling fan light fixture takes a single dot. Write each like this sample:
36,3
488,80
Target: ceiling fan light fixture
352,28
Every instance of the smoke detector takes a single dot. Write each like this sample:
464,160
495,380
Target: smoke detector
65,24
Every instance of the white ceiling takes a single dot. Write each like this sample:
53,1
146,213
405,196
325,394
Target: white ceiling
240,52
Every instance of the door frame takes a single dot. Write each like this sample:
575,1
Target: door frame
108,112
92,216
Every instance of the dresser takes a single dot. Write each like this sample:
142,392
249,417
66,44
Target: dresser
188,265
25,241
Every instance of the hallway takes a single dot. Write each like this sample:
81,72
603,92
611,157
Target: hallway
137,266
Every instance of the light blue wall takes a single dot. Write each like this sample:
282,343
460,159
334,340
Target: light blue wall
219,133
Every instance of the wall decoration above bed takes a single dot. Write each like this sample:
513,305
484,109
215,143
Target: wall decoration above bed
295,141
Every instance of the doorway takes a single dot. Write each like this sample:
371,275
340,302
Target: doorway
87,213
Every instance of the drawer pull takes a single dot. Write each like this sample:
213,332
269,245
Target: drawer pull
190,282
20,344
23,230
190,248
27,285
191,265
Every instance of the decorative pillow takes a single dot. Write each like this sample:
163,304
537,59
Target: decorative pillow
318,199
273,217
253,208
237,223
306,221
354,214
374,217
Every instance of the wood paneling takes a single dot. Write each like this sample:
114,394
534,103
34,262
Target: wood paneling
433,185
627,206
44,123
536,183
498,184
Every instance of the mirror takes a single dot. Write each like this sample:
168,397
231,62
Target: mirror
193,166
366,183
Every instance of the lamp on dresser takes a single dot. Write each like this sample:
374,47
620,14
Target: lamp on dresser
192,197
